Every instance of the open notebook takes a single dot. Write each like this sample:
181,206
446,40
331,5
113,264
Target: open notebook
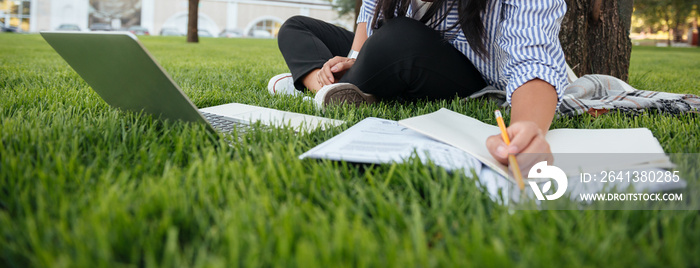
589,150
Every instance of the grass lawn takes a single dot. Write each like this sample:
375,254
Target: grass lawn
84,185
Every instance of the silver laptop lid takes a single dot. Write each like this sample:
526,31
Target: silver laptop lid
123,73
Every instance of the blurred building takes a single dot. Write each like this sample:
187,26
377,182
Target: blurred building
260,18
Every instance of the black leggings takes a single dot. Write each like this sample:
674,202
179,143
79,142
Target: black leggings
403,59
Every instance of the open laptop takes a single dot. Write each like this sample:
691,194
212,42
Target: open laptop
120,69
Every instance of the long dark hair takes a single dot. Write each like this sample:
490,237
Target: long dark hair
469,12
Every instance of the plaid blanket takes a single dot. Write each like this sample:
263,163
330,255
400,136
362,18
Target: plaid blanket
598,94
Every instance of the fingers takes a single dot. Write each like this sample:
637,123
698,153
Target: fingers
324,75
527,143
537,151
521,135
497,148
336,65
342,66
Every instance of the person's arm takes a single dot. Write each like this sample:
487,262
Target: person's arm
537,77
535,101
336,67
360,36
530,39
532,109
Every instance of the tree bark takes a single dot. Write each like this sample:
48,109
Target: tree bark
595,37
667,20
192,36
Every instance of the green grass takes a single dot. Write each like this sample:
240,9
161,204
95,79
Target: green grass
84,185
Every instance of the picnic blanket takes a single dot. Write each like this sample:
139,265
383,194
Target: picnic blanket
599,94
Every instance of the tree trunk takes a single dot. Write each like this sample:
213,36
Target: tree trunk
679,22
595,37
668,28
192,36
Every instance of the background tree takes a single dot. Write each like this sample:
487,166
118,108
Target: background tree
192,35
648,12
673,14
345,7
595,37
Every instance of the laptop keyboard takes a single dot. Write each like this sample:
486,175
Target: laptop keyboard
224,124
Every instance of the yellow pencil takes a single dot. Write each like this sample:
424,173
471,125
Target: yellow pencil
511,158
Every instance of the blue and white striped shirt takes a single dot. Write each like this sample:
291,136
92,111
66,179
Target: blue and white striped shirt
521,39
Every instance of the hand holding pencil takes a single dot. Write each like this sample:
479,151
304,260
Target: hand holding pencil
519,146
512,162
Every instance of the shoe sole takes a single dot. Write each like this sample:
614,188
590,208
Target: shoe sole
349,94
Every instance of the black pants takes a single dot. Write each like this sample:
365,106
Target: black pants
402,59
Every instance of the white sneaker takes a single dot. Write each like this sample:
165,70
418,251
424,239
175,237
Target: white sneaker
341,93
282,84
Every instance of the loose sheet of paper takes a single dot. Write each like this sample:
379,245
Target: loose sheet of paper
375,140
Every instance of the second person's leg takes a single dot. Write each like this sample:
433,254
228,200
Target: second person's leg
307,43
406,59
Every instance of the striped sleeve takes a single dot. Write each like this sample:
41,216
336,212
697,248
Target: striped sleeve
530,37
367,13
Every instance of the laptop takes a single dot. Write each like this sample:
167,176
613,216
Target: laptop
122,72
